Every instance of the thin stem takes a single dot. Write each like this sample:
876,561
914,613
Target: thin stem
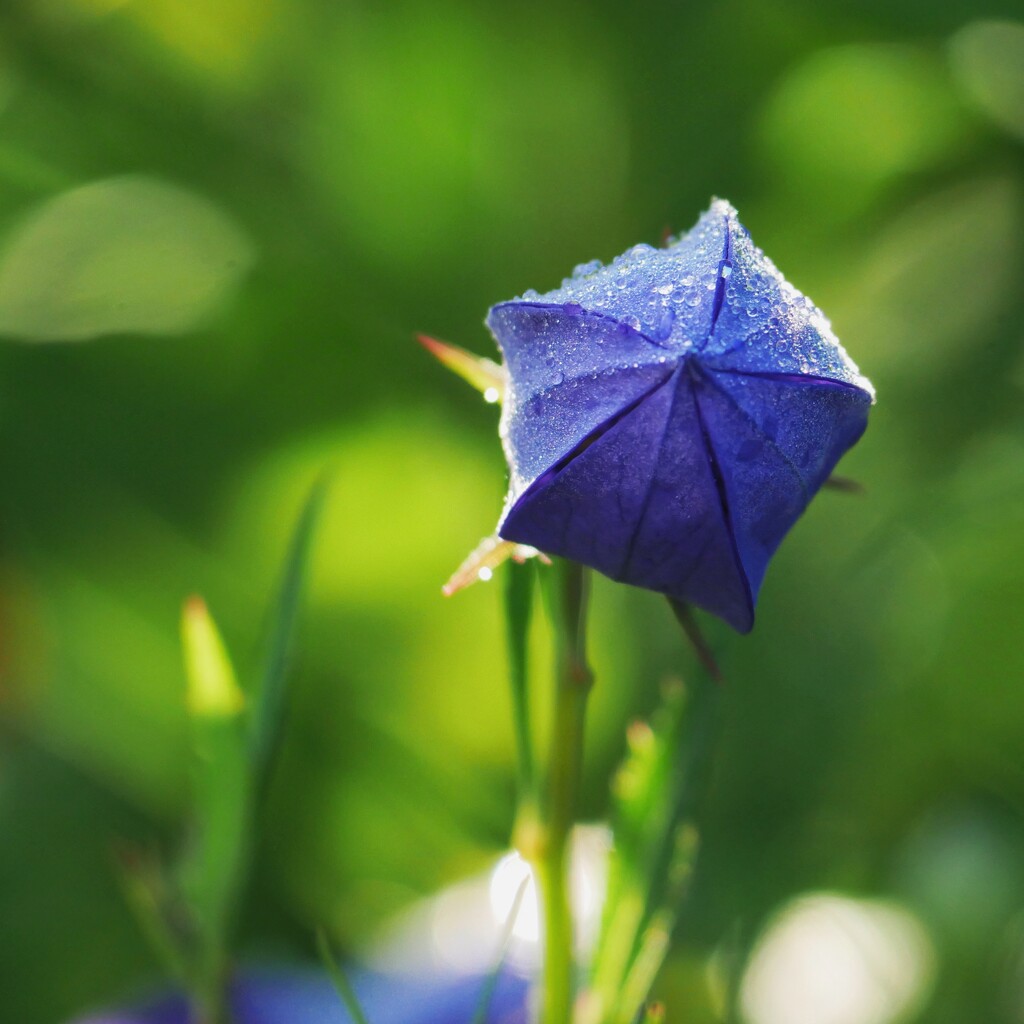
737,950
567,599
491,984
209,1007
518,611
339,978
701,648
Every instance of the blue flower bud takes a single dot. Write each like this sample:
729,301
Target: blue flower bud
668,417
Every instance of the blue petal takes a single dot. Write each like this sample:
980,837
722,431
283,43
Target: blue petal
765,325
775,441
641,504
569,371
668,295
308,997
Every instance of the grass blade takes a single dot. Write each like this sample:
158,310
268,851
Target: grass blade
144,889
269,704
214,863
339,979
491,984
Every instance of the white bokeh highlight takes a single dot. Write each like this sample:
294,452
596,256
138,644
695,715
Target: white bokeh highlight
462,928
829,959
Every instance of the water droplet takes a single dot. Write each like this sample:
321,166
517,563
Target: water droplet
665,289
665,325
491,395
586,269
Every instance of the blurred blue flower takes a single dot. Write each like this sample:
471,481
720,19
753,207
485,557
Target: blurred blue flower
308,997
668,417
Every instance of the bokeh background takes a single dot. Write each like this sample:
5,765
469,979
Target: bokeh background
220,225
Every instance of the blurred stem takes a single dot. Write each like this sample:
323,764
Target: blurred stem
736,952
210,1007
491,984
339,979
566,592
143,886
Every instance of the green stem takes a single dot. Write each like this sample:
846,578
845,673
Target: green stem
339,979
209,1008
518,611
567,598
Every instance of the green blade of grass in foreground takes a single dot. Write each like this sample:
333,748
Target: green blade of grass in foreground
214,862
269,700
645,825
480,1016
233,759
339,979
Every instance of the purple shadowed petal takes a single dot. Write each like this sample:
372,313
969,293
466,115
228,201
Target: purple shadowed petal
641,505
670,416
776,442
308,997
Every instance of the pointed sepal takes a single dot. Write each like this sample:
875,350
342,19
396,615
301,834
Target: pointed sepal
487,376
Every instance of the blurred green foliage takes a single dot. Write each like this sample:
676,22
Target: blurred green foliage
220,225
